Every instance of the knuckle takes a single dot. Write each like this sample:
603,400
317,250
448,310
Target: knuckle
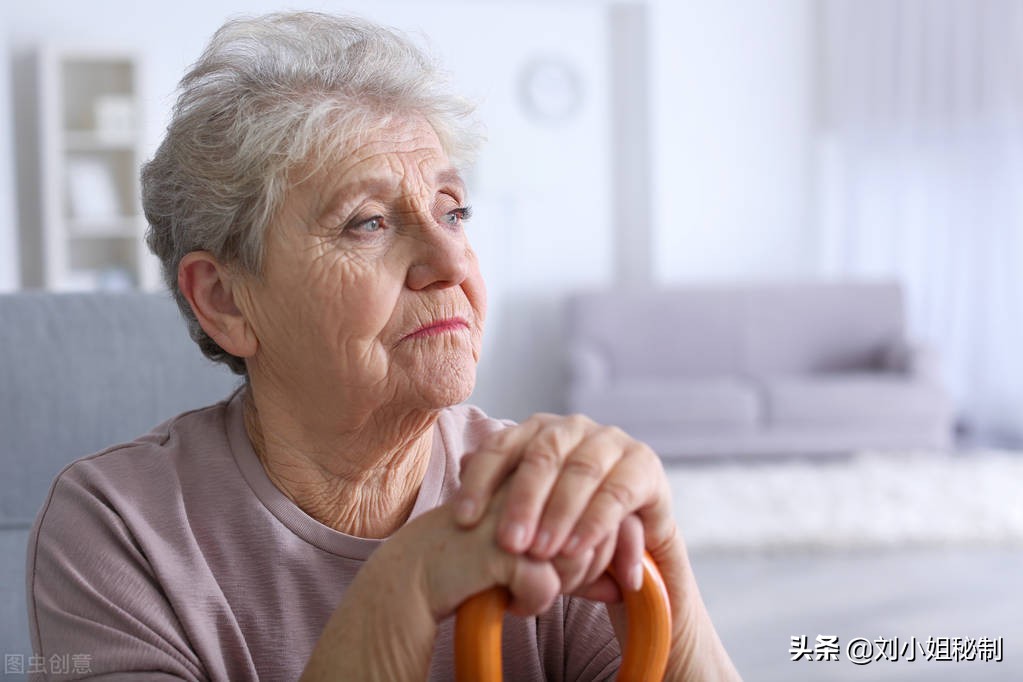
584,467
613,433
550,438
488,449
593,528
643,452
579,421
499,440
541,457
617,494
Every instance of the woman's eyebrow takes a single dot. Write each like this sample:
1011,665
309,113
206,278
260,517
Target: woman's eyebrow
349,193
352,192
451,176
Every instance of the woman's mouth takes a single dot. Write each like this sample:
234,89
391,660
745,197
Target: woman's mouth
438,327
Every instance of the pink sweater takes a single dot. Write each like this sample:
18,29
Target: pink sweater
175,557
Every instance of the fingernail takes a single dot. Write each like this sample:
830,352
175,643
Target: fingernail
572,545
635,579
516,535
465,512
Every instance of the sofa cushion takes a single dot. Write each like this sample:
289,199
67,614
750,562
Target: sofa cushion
677,443
685,333
694,404
828,327
856,400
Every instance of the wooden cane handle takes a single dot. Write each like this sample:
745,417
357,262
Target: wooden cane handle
644,654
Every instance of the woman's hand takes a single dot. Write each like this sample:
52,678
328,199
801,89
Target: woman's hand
578,493
572,487
452,563
385,626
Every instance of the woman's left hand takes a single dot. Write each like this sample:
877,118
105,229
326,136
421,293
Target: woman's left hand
575,489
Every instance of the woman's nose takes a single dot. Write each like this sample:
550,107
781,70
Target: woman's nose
442,258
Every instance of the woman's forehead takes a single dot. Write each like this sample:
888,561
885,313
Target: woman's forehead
376,159
388,153
381,163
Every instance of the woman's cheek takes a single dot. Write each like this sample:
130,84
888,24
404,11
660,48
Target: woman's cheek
476,290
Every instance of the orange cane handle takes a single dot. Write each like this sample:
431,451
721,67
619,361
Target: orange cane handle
644,654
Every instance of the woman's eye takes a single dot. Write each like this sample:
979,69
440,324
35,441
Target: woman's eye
457,216
374,224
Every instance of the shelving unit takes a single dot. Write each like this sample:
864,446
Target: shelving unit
91,223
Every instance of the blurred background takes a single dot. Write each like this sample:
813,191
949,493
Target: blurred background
655,145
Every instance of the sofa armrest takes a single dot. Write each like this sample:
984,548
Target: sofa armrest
587,367
914,359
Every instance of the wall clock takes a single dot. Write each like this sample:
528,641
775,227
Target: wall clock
550,89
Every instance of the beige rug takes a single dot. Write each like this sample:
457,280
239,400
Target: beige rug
871,500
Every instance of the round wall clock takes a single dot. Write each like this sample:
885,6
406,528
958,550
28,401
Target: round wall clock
550,89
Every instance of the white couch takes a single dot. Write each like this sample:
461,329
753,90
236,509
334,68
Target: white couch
751,370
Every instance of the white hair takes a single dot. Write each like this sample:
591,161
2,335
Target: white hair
271,94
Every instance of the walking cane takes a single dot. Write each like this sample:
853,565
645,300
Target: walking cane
645,651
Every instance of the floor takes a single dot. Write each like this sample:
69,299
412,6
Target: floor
760,602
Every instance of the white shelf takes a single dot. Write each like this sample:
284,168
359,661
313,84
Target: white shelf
91,223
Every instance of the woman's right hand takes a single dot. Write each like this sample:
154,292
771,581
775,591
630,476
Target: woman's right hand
385,626
450,564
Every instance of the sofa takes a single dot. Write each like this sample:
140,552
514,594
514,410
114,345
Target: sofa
79,372
772,369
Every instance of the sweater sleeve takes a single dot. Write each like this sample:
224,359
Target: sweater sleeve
93,597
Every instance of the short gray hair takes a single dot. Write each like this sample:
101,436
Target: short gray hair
269,95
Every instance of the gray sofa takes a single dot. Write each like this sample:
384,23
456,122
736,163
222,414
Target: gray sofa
79,372
754,370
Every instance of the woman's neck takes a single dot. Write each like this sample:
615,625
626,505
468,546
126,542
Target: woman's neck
362,482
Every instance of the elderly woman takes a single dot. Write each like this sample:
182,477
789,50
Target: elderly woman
326,520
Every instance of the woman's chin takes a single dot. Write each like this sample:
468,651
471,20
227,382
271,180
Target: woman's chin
446,385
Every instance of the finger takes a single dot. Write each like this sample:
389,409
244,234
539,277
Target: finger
628,557
635,484
627,563
604,589
585,569
483,470
601,559
573,570
540,466
534,585
581,476
463,562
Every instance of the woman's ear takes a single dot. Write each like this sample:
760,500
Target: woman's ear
208,286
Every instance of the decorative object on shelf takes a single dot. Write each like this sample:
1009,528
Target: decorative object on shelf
551,89
92,193
115,117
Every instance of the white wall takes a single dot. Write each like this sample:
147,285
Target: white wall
9,271
733,98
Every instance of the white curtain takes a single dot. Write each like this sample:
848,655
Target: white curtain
920,176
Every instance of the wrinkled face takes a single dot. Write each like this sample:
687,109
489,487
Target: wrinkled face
371,296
